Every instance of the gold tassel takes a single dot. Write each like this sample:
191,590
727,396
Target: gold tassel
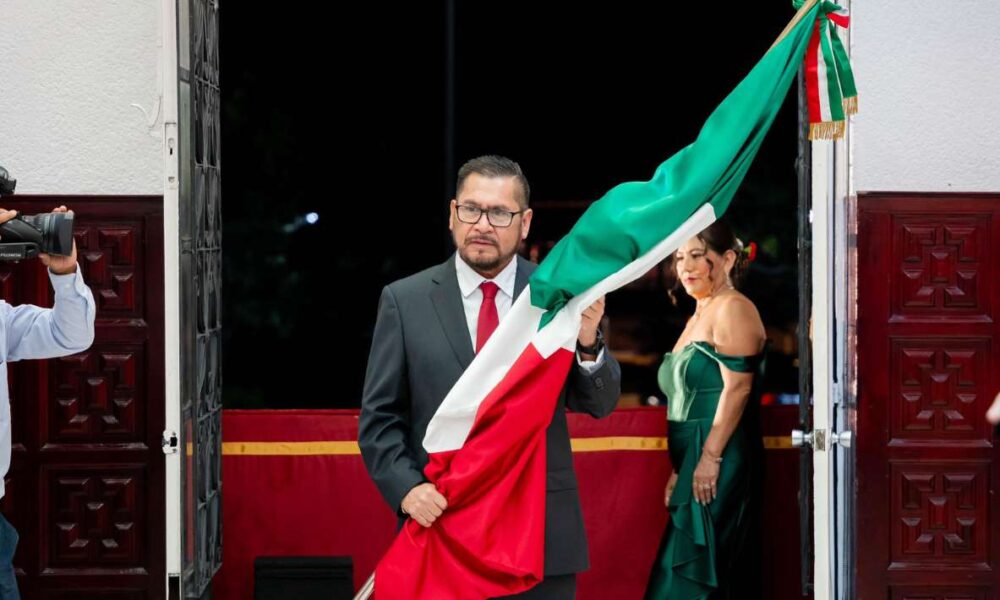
819,131
851,105
828,130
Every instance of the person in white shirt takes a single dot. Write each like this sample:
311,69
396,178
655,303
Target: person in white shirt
31,332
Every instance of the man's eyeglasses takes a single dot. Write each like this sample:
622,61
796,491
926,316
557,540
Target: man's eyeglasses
497,217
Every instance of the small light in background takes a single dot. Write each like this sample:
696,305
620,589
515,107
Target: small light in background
309,218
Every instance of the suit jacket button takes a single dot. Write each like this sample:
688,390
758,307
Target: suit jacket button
599,383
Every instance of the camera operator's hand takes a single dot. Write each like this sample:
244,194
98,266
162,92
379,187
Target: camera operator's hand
60,265
6,215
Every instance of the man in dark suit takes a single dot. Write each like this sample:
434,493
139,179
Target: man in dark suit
428,329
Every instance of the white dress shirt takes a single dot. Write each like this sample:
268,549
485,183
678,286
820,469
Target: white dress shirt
472,298
31,332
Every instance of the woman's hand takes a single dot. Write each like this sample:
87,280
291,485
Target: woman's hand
706,477
670,489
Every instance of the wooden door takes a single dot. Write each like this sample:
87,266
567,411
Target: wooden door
928,358
86,485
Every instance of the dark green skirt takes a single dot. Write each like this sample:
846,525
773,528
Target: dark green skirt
711,551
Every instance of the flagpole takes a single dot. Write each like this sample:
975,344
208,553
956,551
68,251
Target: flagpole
795,20
367,589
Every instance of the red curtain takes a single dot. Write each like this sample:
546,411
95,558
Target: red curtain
290,489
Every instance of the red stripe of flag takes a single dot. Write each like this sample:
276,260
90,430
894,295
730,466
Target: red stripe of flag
490,541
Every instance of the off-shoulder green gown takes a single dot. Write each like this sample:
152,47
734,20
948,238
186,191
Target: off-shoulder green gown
710,551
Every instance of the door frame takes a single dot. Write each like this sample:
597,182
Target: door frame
833,366
171,288
832,325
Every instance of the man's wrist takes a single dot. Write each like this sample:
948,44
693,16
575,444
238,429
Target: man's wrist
593,349
71,270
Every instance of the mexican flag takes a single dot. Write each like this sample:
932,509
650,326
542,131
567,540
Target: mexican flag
486,442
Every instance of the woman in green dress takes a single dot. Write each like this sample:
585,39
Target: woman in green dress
711,545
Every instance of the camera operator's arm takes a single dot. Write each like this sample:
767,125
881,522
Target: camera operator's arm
67,327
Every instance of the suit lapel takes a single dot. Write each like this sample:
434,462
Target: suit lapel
447,300
524,270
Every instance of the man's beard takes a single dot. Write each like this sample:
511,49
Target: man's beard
485,262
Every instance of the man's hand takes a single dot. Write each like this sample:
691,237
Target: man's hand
60,265
424,504
590,319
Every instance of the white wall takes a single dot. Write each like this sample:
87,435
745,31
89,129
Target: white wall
69,72
929,95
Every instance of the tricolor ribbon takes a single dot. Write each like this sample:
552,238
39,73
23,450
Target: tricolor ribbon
830,88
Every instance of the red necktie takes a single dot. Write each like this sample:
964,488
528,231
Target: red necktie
488,318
